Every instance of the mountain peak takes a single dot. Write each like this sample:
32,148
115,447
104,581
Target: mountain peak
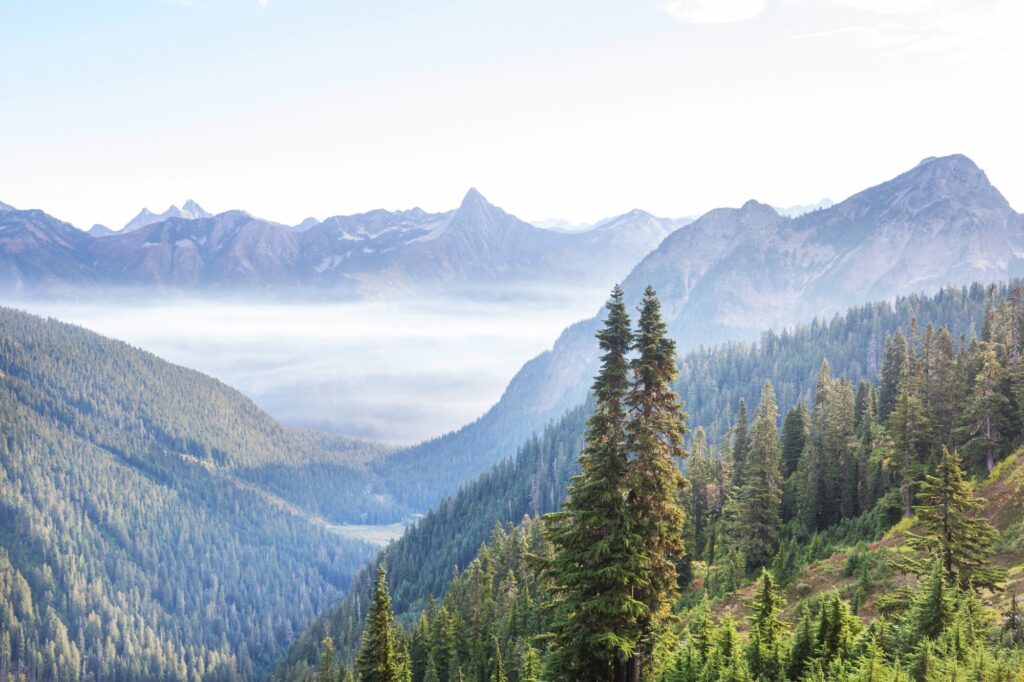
190,209
473,198
753,206
4,208
954,180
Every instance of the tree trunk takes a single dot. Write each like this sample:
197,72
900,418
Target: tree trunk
908,511
990,458
633,666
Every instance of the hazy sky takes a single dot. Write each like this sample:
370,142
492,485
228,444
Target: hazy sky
570,108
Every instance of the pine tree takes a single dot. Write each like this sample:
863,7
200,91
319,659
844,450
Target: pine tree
801,648
328,670
377,660
891,373
760,498
794,437
499,674
740,443
595,622
954,532
530,668
764,651
986,420
909,427
655,439
932,607
1013,622
698,507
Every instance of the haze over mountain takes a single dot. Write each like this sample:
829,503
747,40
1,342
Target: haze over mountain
375,253
737,271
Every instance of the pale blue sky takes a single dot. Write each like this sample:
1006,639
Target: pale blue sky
569,108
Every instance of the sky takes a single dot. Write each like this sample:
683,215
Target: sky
574,109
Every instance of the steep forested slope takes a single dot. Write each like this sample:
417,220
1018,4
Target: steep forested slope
735,272
711,383
135,541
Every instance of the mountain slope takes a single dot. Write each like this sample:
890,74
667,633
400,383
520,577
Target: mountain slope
41,251
734,272
141,534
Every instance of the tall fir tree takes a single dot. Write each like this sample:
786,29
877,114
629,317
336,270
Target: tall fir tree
894,360
596,613
760,498
909,427
794,437
328,669
955,532
698,509
740,443
378,658
655,485
765,654
986,421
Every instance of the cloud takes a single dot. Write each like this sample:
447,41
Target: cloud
713,11
263,3
973,31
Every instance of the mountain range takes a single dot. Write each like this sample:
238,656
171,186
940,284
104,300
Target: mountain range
374,253
735,272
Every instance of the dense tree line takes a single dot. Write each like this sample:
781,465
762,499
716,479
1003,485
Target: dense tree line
764,503
712,383
129,546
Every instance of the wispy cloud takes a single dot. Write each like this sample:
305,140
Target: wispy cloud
263,3
713,11
954,27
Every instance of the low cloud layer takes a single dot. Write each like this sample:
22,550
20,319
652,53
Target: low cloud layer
395,372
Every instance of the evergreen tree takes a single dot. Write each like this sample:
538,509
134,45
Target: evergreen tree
932,608
894,362
764,650
1013,622
328,670
530,668
740,443
378,659
596,614
655,484
954,532
909,428
986,420
760,498
499,674
698,509
794,437
801,647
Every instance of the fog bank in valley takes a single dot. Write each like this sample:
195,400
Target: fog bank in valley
394,371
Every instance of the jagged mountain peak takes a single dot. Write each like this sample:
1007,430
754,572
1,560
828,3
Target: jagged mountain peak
474,201
476,214
191,208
